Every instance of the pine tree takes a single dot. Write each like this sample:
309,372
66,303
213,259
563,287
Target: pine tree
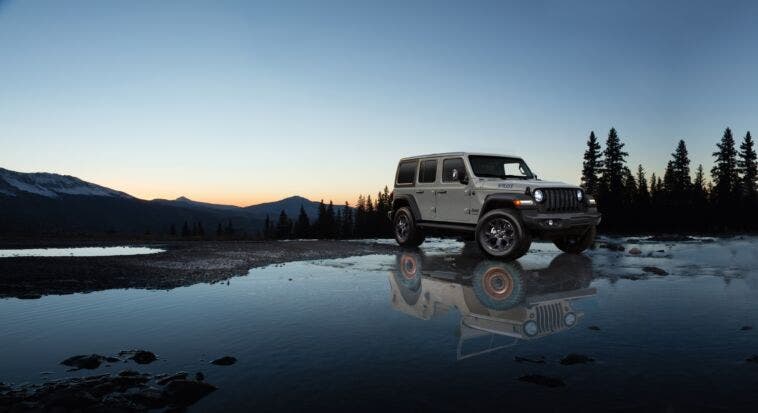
680,169
200,229
359,229
219,230
592,165
331,221
229,230
654,195
347,221
643,194
321,222
699,194
611,189
283,226
172,230
185,229
630,187
746,166
302,227
369,220
724,171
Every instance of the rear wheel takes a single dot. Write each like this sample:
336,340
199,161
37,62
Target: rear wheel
407,234
576,243
501,234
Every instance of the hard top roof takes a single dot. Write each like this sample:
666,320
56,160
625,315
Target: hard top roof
446,154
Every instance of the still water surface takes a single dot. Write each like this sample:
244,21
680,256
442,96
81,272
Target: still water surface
78,252
437,329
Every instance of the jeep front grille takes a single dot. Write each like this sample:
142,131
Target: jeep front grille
549,317
561,200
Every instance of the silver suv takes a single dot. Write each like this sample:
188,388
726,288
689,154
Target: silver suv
494,199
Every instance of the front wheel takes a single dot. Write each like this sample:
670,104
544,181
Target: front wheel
501,234
407,234
575,244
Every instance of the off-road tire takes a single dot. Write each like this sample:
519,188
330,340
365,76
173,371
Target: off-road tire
407,234
576,244
511,231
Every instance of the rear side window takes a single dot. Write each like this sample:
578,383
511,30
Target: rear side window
428,171
450,165
406,173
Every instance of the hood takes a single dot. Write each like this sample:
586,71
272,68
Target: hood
517,185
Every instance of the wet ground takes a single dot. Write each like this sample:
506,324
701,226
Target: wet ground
667,327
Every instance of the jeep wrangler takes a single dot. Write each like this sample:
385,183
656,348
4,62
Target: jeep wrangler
493,199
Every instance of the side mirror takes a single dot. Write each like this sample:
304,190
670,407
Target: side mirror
460,177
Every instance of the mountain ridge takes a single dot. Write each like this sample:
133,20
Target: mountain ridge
48,202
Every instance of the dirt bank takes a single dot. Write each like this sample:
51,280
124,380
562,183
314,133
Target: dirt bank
183,263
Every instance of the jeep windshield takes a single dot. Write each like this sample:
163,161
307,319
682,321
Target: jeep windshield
499,167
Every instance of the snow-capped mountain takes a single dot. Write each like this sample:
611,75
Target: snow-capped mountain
49,185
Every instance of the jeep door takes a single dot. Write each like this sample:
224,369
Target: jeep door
424,189
453,198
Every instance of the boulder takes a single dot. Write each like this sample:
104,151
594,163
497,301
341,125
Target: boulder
224,361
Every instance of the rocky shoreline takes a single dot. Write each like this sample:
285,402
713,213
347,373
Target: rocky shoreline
128,390
183,263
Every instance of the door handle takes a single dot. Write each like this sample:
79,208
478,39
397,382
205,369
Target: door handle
442,191
419,191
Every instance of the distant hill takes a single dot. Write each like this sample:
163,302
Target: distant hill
52,203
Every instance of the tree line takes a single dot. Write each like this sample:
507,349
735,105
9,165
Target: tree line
367,220
677,201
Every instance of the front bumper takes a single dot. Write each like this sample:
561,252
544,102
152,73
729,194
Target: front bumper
551,221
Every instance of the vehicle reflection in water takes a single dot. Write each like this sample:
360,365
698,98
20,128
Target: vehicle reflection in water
493,298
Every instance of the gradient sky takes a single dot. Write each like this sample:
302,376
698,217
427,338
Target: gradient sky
238,102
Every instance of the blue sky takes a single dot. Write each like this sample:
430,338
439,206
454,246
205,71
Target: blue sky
243,102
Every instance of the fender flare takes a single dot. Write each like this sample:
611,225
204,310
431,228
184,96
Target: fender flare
411,203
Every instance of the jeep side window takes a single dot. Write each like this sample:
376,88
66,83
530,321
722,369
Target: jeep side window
406,173
428,171
450,165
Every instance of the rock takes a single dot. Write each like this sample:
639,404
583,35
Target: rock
538,360
613,246
752,359
224,361
89,362
139,356
186,392
127,391
542,380
655,270
746,328
633,277
635,251
574,358
593,328
661,251
178,376
199,376
29,296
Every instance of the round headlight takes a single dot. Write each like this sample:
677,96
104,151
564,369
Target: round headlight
579,195
539,196
569,319
530,328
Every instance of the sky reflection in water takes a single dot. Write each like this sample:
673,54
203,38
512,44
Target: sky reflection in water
433,329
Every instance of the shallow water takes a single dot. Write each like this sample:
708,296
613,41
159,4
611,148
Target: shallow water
78,252
436,329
